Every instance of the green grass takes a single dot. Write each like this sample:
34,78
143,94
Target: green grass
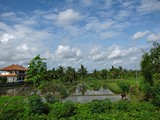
135,96
113,87
112,84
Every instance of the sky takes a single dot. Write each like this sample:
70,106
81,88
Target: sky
96,33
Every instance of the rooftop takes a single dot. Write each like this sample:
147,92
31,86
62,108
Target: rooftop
13,67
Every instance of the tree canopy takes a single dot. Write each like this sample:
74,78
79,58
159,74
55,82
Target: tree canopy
150,64
37,68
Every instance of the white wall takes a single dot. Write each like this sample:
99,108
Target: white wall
11,79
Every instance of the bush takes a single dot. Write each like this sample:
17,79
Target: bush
36,106
124,86
62,110
121,105
100,106
63,92
50,98
3,79
156,101
13,109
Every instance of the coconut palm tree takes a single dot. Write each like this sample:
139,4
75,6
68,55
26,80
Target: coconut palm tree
95,74
70,75
60,71
104,74
82,72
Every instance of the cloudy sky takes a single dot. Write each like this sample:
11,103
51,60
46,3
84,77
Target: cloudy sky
95,33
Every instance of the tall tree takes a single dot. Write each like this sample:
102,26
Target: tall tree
150,64
96,74
36,70
150,68
60,72
104,74
146,68
82,71
70,75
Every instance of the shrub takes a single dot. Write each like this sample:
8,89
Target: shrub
63,92
100,106
62,110
36,106
124,86
13,108
3,79
121,105
50,98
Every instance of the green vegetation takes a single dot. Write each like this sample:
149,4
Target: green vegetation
142,93
150,66
22,108
36,106
3,79
114,87
36,70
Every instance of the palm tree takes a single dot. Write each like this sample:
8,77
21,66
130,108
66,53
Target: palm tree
82,71
104,74
60,72
54,75
121,72
95,73
70,74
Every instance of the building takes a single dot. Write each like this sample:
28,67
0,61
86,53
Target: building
14,73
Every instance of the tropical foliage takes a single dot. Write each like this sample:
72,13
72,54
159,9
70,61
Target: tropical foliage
36,70
98,109
150,66
117,79
3,79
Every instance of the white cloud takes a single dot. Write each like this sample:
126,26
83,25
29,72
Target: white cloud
140,35
127,3
96,25
111,52
44,31
153,37
108,34
48,55
30,34
68,17
95,50
65,52
50,16
22,47
117,52
30,22
134,59
87,2
27,42
4,27
117,62
147,6
108,3
23,52
122,14
97,55
121,25
11,16
8,14
6,37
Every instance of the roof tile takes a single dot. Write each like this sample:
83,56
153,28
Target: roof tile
13,67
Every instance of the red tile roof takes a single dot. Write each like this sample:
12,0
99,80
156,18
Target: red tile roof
13,67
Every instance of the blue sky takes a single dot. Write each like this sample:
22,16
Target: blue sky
95,33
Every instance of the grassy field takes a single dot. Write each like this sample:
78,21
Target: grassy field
134,94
